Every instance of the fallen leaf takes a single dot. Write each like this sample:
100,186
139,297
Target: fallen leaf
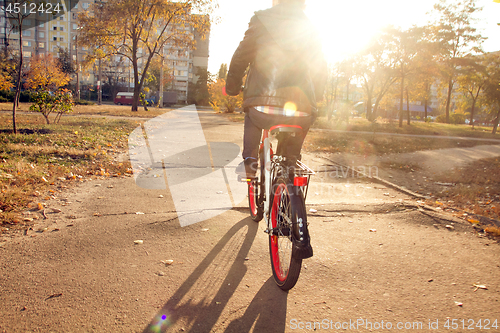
139,213
139,242
479,286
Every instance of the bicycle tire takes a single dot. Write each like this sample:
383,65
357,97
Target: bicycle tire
285,211
254,204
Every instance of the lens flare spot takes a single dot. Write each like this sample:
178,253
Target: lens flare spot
290,107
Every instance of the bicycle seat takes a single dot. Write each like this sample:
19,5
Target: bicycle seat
285,129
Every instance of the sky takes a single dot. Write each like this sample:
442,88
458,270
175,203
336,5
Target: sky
346,26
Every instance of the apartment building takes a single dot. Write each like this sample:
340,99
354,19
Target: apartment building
44,34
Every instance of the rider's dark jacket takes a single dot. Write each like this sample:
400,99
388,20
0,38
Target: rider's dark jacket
286,61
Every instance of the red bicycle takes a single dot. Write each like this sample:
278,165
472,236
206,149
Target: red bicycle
278,194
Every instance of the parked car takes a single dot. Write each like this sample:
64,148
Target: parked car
124,98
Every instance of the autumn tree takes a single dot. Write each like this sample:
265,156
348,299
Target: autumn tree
45,73
375,69
331,89
154,78
404,46
492,89
65,61
426,73
472,80
6,68
223,71
220,101
198,90
140,29
16,18
456,37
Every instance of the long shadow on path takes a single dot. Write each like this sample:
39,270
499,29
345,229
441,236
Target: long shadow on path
199,302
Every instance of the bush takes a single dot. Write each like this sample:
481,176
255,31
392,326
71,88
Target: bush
83,102
47,102
455,118
7,95
458,118
441,118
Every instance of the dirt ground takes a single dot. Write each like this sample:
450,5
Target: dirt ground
381,263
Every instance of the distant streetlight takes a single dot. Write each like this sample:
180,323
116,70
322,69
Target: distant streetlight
77,65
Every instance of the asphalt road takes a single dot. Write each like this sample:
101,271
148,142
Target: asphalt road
381,263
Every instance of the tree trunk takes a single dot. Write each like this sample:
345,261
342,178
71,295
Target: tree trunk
448,100
425,109
408,105
18,83
495,125
401,96
472,113
369,111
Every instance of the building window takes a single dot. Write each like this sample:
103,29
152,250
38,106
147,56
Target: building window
27,43
75,26
27,54
26,33
55,39
85,5
55,28
41,45
27,22
41,34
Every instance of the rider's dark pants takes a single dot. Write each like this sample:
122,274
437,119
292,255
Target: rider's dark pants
256,121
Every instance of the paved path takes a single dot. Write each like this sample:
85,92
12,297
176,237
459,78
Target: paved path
377,259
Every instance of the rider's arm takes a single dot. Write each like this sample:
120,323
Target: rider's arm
243,56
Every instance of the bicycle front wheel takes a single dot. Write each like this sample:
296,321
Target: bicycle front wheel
286,268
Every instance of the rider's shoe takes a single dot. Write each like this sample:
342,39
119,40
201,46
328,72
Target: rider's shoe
247,168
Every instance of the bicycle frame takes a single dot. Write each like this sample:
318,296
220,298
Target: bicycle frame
302,174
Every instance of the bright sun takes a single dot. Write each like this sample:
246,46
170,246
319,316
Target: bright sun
346,27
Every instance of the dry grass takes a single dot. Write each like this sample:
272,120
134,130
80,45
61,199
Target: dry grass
99,110
44,159
477,188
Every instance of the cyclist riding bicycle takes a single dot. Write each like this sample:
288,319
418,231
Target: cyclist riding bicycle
286,78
